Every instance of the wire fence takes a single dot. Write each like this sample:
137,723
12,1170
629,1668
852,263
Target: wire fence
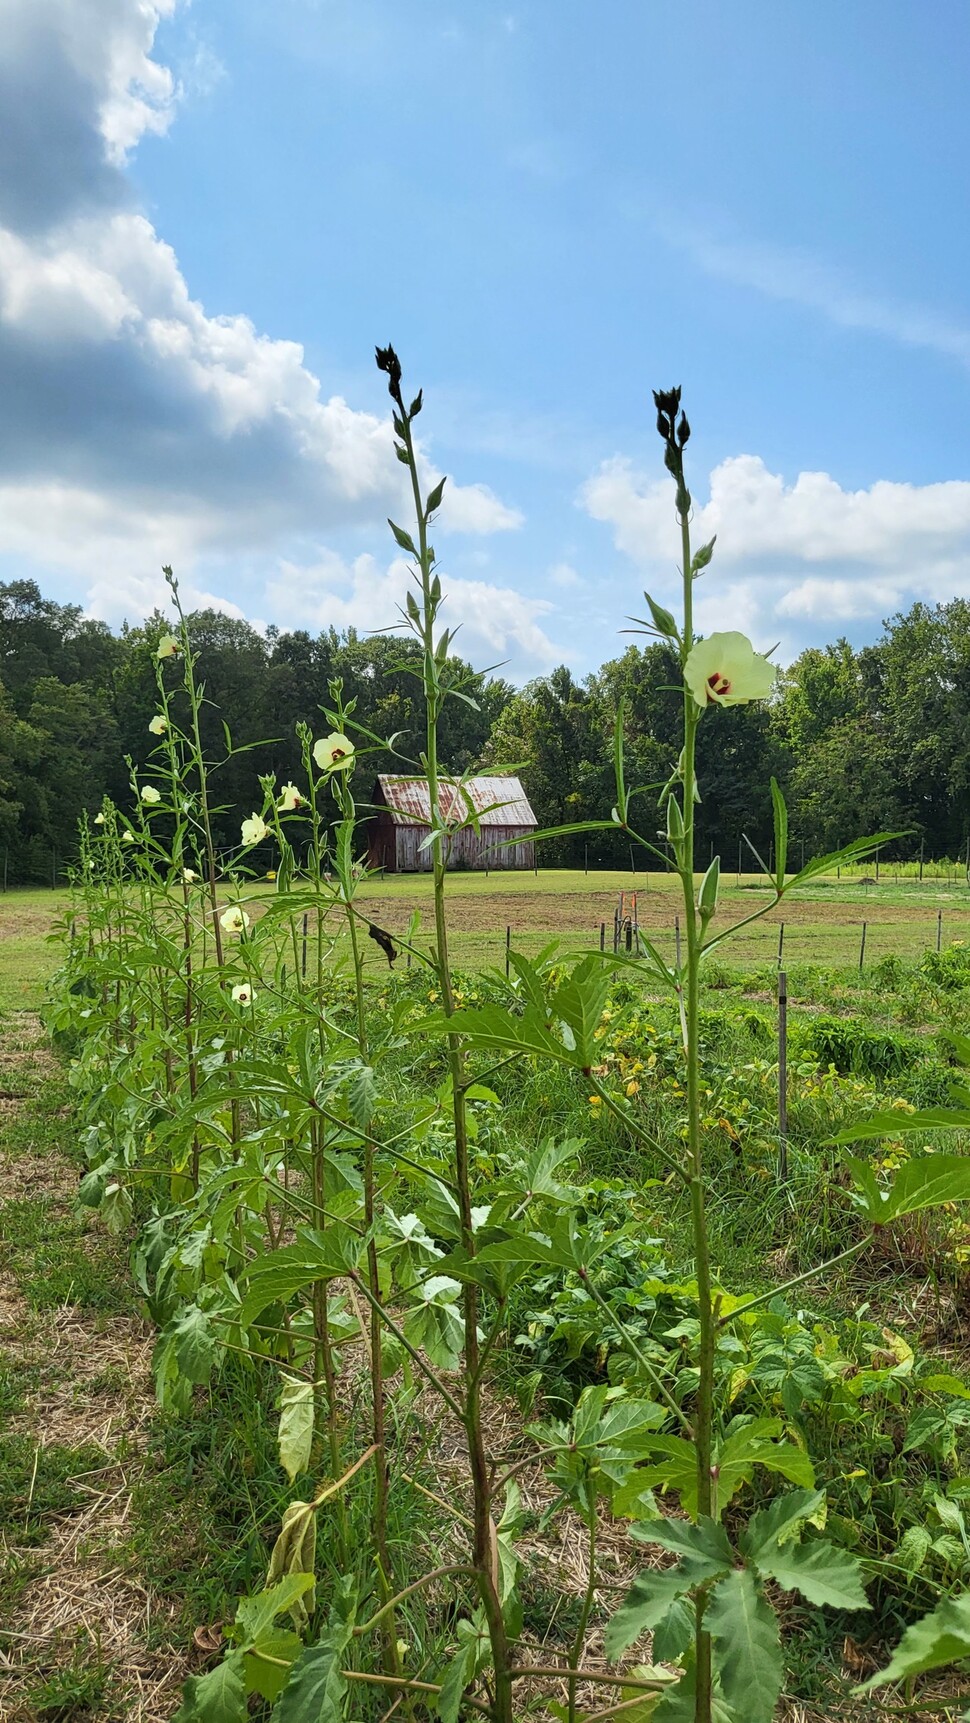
858,942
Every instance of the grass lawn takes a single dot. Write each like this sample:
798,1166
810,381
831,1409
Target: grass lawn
822,922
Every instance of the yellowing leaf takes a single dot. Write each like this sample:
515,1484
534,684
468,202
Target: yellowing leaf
296,1426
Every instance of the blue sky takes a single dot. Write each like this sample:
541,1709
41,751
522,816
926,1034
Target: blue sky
210,213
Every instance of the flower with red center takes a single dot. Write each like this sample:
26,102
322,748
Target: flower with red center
335,753
725,670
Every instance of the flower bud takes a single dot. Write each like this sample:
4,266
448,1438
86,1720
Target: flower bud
707,896
667,401
388,361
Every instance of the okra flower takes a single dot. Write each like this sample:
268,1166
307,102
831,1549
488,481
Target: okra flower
168,647
127,837
158,725
234,919
334,753
243,993
291,799
254,830
150,795
725,670
189,875
99,819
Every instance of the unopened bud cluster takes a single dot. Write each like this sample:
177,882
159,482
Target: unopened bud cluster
675,431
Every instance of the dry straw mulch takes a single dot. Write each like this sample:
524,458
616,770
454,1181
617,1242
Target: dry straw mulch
84,1604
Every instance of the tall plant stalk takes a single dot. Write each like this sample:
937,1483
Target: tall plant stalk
422,616
703,1420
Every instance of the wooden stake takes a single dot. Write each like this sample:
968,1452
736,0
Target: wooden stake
862,947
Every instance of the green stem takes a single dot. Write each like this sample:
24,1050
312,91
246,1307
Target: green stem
425,1368
484,1552
645,1137
704,1412
409,1591
660,1387
378,1418
579,1639
323,1366
799,1280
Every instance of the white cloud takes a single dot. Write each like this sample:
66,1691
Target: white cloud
809,549
145,429
496,621
475,508
841,600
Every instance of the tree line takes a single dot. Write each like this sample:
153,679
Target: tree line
874,739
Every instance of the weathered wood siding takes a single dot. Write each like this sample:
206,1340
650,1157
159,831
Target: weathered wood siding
397,849
401,825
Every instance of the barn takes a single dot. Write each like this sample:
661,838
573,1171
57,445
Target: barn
403,820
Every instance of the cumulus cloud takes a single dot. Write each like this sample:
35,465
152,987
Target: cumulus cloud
496,621
135,425
808,549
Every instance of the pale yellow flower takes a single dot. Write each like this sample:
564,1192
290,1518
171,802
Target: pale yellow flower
243,994
334,753
150,795
168,647
291,799
234,919
189,875
158,725
127,837
99,819
725,670
254,830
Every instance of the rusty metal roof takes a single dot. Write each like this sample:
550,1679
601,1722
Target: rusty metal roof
409,804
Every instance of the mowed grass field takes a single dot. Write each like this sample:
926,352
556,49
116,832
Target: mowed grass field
822,922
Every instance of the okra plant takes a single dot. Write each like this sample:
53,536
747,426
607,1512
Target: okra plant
296,1210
